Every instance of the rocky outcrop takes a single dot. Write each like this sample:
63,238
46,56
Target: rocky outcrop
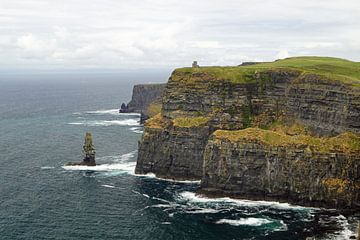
200,101
262,164
142,96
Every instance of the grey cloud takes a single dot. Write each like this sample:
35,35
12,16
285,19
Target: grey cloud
168,33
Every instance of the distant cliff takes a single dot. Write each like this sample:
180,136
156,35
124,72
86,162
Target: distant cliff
286,130
146,99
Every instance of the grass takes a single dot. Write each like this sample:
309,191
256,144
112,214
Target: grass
154,109
188,122
346,142
157,122
331,68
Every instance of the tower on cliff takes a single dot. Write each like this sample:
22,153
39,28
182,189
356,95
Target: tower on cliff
195,64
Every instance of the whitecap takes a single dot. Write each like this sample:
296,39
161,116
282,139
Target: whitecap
166,223
136,130
106,123
345,233
245,221
145,195
193,197
125,167
152,175
108,186
119,163
47,167
204,211
111,112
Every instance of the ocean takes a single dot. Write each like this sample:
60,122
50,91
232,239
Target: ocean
42,126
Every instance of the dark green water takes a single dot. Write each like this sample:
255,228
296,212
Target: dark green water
42,127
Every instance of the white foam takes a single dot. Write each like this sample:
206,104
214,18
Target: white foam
136,130
161,206
244,221
166,223
111,112
108,186
106,123
47,167
346,233
192,197
126,167
145,195
204,210
119,163
152,175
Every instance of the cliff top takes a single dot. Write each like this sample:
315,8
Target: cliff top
346,142
330,68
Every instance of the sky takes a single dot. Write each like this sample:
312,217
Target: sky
164,34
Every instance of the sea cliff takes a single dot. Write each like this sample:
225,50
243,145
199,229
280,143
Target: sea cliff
146,99
311,103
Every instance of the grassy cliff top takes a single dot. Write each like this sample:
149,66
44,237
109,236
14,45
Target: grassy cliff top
331,68
346,142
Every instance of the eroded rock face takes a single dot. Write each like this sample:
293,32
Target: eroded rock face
324,107
249,168
143,95
174,153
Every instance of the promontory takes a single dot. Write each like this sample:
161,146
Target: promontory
287,130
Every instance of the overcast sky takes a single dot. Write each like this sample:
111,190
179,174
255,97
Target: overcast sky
162,34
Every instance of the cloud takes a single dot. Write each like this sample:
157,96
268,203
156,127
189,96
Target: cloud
282,54
168,33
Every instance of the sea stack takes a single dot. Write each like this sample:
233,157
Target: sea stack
88,151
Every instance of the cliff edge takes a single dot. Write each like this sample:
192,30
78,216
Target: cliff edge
146,99
311,103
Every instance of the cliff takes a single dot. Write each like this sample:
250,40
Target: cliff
312,97
263,164
143,96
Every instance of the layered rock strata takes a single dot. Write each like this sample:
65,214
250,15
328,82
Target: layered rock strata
199,101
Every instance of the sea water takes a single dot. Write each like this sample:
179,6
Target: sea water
42,125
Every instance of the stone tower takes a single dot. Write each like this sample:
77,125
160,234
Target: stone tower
195,64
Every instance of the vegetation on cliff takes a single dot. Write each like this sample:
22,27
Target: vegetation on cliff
187,122
345,142
329,68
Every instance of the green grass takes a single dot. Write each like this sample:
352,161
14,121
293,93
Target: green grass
332,68
345,142
188,122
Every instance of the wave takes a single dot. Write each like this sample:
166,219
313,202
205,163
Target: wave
204,211
119,163
108,186
125,167
47,167
112,112
345,233
152,175
245,221
107,112
192,197
136,130
105,123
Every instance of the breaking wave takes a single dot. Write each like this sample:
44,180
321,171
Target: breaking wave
111,112
118,163
245,221
136,130
193,197
107,112
105,123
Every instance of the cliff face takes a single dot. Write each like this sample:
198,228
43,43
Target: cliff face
142,96
262,164
198,101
